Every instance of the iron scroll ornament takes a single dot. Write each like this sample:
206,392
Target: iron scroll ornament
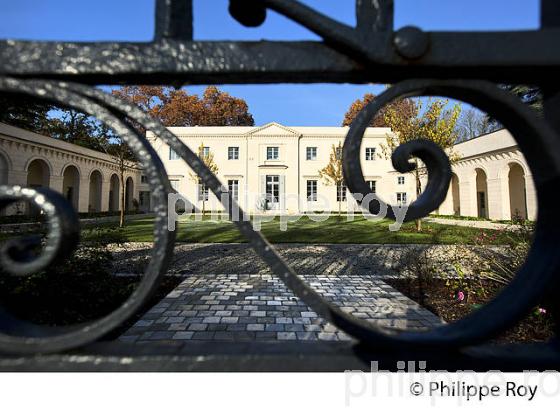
21,337
539,144
526,289
18,256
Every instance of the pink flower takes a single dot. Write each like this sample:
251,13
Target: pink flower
460,296
542,311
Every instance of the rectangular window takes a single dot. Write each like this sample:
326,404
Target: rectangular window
370,154
401,198
400,180
338,153
233,153
272,153
143,179
173,155
202,192
174,184
273,188
372,186
205,152
341,192
311,154
311,191
233,187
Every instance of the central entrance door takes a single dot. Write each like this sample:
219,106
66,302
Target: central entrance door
273,191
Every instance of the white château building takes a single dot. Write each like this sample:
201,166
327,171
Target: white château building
275,162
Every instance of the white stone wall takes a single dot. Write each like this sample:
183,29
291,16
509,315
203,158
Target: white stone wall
495,154
19,148
292,166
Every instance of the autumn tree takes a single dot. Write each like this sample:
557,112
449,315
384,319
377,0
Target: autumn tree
435,122
207,157
405,107
177,108
332,173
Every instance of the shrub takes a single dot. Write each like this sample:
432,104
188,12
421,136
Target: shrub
80,289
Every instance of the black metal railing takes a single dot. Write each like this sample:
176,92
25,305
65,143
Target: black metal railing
461,65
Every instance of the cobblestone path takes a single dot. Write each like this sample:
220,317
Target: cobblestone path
229,294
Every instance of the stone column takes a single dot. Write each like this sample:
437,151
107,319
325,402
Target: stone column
446,207
531,197
83,199
498,199
56,183
467,194
105,188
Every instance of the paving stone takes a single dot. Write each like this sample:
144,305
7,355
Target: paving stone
198,327
252,304
203,335
144,323
258,313
183,335
161,335
293,328
274,328
175,319
212,319
229,320
178,326
223,335
286,336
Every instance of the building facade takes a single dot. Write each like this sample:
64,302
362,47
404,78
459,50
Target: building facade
88,179
491,180
272,169
279,163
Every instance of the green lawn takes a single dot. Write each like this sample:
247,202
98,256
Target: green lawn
305,230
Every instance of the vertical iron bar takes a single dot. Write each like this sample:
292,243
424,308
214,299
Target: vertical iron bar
174,19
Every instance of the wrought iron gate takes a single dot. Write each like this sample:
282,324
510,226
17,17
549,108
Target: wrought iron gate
460,65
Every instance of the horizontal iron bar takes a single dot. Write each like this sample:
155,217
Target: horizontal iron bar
282,356
500,56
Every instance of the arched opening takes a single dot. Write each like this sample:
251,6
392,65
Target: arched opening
481,193
38,175
517,194
95,182
455,195
71,185
3,170
114,193
129,193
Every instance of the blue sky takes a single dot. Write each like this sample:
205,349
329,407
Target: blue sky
321,104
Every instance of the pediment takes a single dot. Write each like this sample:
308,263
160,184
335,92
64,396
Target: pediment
274,129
